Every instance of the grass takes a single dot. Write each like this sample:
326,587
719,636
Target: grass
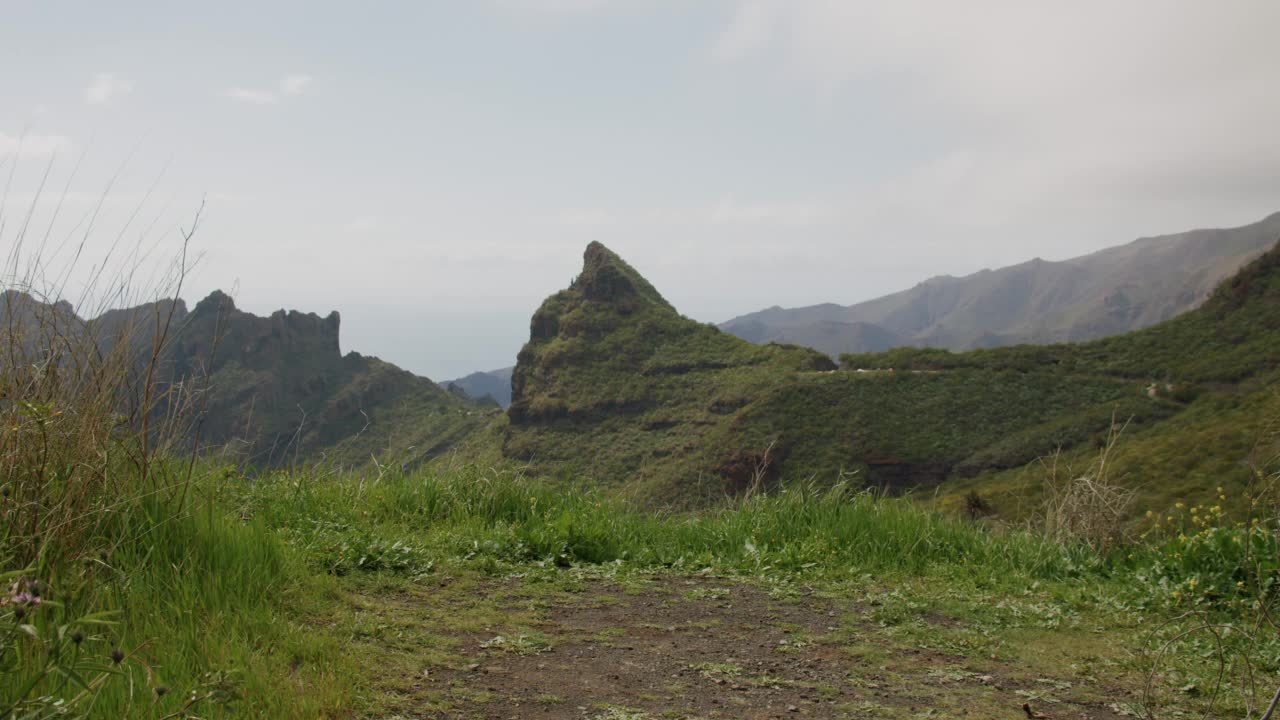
146,582
504,519
250,597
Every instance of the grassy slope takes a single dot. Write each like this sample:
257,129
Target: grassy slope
616,386
300,596
411,553
1218,362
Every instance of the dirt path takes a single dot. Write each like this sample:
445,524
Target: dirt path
689,647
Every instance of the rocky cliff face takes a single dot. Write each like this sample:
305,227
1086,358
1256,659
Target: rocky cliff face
278,390
301,348
263,391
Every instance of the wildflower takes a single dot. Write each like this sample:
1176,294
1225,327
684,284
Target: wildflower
1180,506
161,691
1194,510
1240,584
1150,513
117,656
1192,583
23,595
1220,490
77,637
1176,595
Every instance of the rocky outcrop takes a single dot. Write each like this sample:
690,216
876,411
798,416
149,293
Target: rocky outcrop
278,388
265,391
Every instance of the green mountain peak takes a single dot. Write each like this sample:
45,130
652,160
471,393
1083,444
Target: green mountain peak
606,277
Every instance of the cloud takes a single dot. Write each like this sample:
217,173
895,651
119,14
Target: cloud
32,145
751,29
728,211
586,217
253,97
1145,113
106,86
554,6
365,224
294,84
289,86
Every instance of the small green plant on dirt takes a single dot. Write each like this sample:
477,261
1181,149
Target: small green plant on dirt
518,644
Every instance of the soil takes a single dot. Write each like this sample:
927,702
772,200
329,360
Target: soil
695,647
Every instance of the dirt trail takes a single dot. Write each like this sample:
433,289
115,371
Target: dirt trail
682,647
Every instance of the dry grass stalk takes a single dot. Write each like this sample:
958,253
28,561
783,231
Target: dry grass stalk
84,412
1090,508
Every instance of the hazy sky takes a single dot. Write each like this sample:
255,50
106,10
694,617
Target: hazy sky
434,169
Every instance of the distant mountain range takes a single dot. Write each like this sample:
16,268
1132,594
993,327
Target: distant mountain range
495,384
1112,291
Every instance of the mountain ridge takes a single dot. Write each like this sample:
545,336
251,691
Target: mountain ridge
268,391
1113,290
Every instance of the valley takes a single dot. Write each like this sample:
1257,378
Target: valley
668,521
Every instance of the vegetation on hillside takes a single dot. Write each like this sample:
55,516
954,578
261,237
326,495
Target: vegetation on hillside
616,386
1213,370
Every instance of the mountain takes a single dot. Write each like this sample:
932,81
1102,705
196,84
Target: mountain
495,384
280,391
1105,293
1220,365
616,386
263,391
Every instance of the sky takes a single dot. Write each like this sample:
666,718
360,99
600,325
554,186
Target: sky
433,169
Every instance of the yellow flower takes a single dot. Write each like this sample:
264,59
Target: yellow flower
1195,510
1240,584
1150,513
1179,505
1220,490
1176,595
1192,583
